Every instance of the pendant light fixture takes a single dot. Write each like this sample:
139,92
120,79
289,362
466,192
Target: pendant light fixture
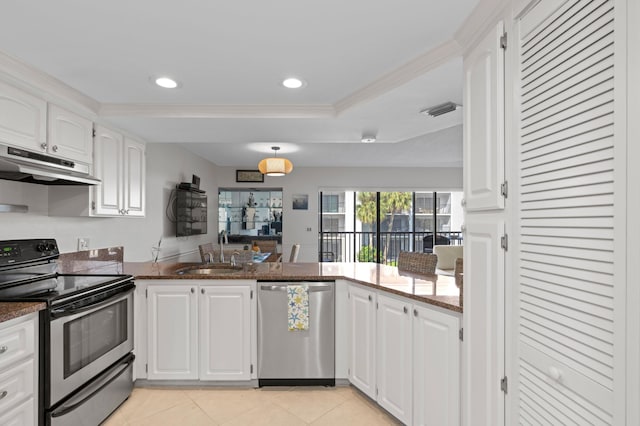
275,166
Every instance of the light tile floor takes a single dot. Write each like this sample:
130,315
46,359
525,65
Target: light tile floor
281,406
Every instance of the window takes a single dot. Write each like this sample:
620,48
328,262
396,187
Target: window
376,226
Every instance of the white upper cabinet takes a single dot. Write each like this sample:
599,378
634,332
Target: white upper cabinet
108,166
69,135
119,162
484,124
22,119
134,177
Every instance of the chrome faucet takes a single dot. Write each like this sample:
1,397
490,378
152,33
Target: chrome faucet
222,240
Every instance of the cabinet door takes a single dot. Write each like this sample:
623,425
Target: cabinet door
69,135
22,414
483,319
172,320
108,156
484,124
22,119
134,177
570,365
362,340
436,368
225,332
394,357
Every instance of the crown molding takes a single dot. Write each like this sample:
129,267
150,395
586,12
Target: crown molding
483,17
396,78
46,86
216,111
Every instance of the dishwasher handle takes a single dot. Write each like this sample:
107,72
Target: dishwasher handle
283,287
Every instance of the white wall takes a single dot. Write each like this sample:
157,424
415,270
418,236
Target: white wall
301,226
167,165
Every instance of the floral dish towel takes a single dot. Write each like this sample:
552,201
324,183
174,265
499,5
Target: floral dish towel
298,307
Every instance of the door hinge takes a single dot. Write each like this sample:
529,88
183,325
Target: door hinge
376,391
251,369
94,133
503,41
504,189
504,242
251,297
146,293
461,334
504,384
348,295
146,368
349,372
377,305
93,205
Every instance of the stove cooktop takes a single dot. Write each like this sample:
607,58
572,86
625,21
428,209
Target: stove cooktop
49,289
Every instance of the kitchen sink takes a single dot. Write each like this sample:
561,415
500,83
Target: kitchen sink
209,270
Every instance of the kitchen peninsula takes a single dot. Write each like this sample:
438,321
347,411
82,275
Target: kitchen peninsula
435,289
397,336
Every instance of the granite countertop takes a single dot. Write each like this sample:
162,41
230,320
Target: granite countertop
438,290
11,310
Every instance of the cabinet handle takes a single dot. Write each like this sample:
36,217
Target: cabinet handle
55,148
3,394
415,312
3,349
202,290
193,290
127,211
406,310
370,298
43,146
463,202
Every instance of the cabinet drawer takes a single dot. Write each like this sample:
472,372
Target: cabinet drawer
24,414
16,342
16,384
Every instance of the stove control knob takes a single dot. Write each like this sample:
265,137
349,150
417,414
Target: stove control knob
50,246
41,247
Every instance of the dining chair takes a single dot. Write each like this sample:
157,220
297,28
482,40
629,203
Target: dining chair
419,263
295,249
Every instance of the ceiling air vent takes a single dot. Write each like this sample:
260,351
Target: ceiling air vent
440,109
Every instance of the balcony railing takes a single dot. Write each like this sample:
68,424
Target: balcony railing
363,246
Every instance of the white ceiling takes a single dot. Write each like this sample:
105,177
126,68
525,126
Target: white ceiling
370,67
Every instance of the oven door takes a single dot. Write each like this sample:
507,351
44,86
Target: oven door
88,337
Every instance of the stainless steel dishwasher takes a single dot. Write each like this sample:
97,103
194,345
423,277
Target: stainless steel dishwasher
287,358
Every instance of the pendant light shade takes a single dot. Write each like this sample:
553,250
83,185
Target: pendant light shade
275,166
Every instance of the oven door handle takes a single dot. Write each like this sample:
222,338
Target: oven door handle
65,312
94,388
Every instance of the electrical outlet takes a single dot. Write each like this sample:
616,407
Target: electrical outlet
83,244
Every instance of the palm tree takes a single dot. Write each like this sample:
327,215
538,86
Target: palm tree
391,203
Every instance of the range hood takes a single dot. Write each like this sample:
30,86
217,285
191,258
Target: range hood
33,167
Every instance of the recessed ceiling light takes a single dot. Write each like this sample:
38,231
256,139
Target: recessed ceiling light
293,83
166,82
368,139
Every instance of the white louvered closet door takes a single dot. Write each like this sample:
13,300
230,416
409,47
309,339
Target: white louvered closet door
565,315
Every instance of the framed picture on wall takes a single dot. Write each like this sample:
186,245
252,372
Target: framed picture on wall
249,176
300,201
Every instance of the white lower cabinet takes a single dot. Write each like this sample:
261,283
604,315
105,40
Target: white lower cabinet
362,340
394,375
172,318
199,331
405,355
436,367
19,370
225,332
